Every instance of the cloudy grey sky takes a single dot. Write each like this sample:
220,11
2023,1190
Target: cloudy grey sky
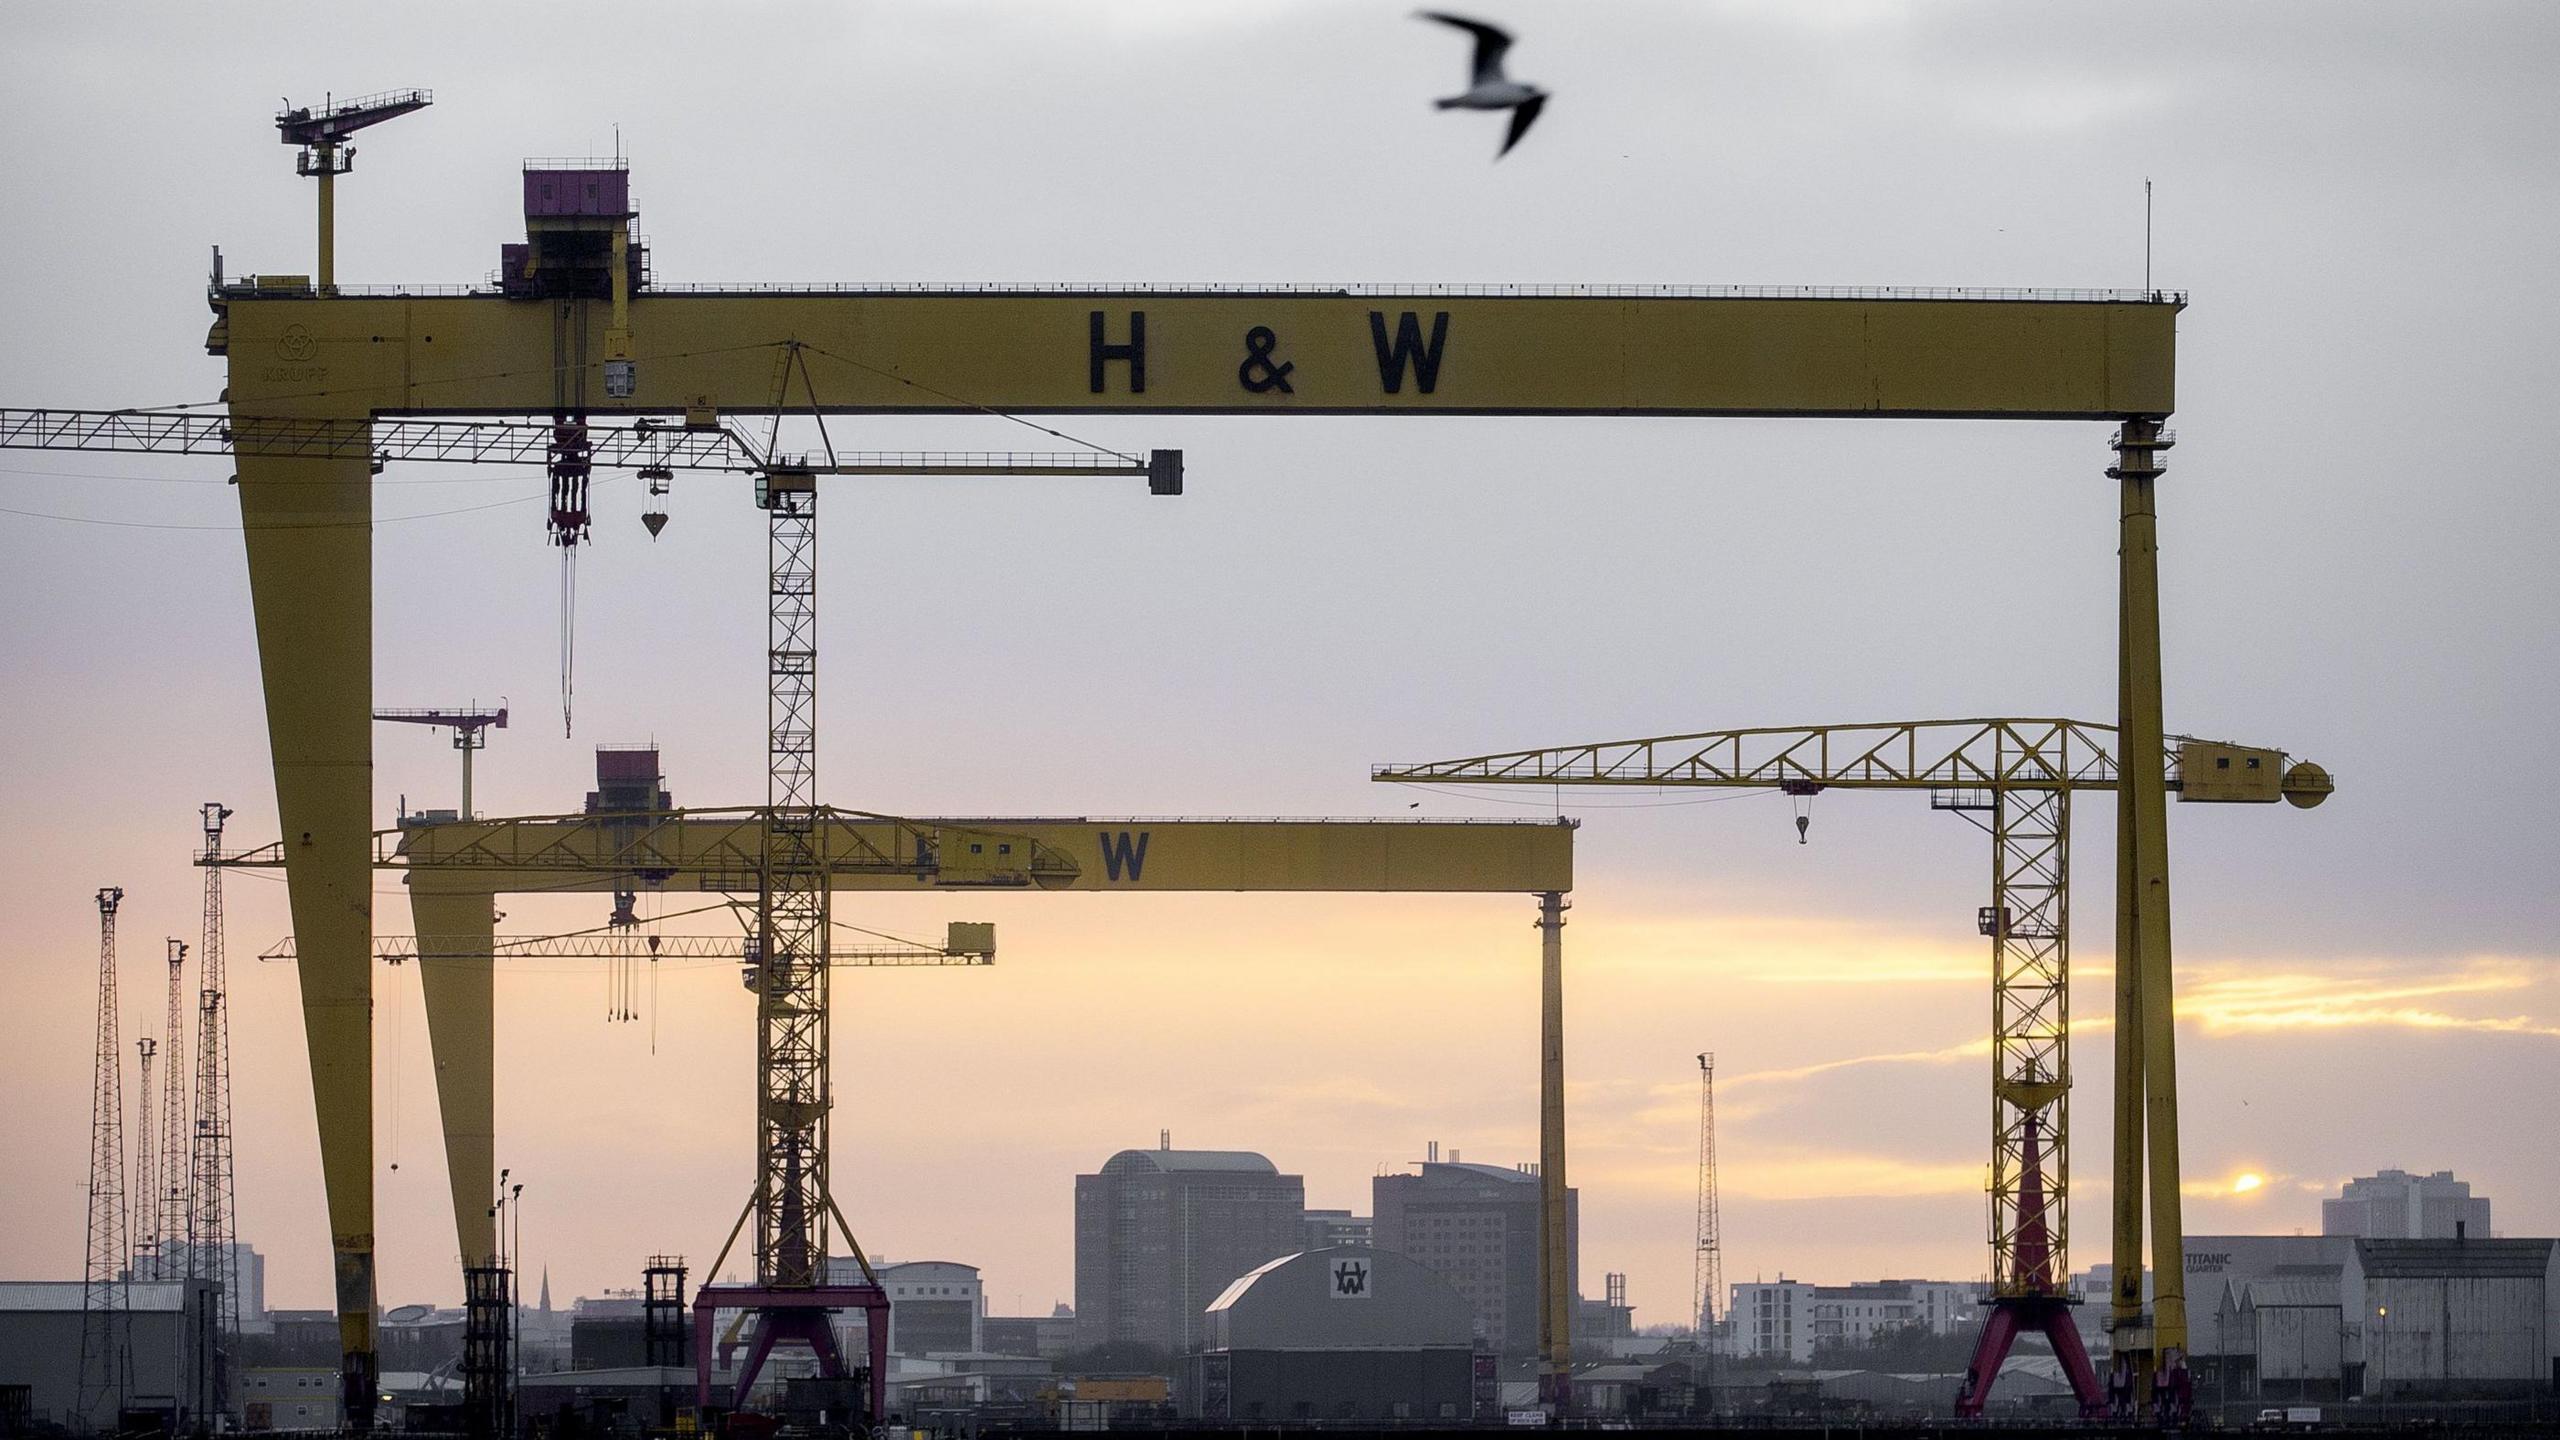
2360,198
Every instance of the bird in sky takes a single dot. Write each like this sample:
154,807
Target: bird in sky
1487,87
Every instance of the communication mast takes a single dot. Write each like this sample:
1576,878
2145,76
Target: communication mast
146,1215
211,1227
1706,1279
106,1355
167,1184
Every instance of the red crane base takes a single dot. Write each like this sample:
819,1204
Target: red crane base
2010,1317
786,1315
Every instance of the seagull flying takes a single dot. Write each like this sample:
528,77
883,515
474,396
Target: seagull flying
1488,88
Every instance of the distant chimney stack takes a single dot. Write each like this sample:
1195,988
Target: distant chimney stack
1453,1155
1164,1139
1433,1152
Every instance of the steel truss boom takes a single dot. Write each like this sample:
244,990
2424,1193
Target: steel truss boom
2049,754
642,444
626,945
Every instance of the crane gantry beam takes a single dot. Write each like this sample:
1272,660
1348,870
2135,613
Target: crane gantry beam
2022,772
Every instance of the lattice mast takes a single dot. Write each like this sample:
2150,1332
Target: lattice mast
2028,924
169,1181
212,1225
791,1005
106,1364
1706,1280
146,1256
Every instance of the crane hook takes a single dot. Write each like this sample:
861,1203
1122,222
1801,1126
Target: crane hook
1803,823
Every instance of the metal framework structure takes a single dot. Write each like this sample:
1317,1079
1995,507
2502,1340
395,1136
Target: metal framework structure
301,354
488,1329
792,1015
106,1316
641,444
968,944
321,137
169,1181
1706,1278
213,1227
2022,773
469,724
147,1258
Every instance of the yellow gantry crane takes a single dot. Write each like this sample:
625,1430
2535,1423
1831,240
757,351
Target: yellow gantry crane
2014,779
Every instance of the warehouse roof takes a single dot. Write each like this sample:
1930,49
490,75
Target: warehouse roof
139,1295
2292,1293
2455,1259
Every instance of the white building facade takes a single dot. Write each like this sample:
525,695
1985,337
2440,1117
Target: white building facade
1786,1319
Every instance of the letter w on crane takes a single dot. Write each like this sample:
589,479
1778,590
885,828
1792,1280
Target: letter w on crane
1407,352
1120,853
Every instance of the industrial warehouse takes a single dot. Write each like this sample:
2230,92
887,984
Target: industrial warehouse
453,1074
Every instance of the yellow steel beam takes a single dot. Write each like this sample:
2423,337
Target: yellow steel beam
1299,352
456,931
2145,897
716,850
308,528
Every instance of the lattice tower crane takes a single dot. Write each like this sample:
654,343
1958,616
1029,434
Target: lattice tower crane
146,1257
1706,1281
106,1297
2021,774
169,1181
212,1227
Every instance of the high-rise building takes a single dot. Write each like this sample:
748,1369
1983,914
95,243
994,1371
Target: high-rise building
2396,1205
1477,1227
1159,1233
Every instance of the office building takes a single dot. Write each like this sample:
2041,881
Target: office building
2396,1205
1159,1233
1477,1227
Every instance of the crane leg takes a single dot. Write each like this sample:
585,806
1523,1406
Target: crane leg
1555,1257
2144,790
2143,900
455,935
308,527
